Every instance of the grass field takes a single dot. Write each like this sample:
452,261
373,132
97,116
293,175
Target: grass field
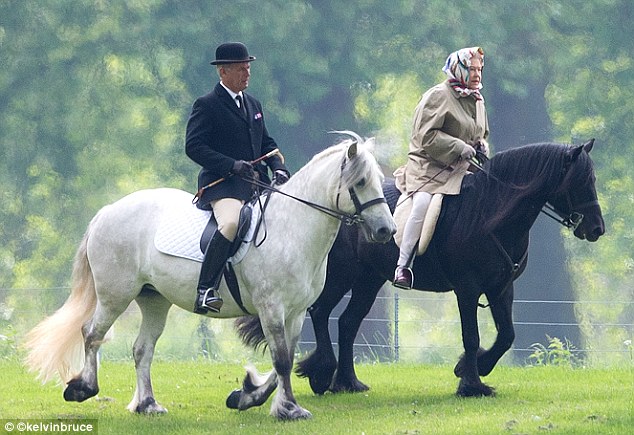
404,399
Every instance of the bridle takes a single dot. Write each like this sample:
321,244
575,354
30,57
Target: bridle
358,206
346,218
571,219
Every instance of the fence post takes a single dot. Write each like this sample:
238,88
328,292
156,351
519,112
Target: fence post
396,338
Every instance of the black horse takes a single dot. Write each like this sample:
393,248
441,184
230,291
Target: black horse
479,247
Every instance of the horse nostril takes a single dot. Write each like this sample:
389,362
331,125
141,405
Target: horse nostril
385,233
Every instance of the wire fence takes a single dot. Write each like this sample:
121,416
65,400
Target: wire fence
406,326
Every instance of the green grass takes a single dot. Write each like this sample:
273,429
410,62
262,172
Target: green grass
404,399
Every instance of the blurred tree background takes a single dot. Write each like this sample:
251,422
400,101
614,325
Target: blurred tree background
95,94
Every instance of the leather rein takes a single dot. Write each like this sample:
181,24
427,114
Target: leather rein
570,220
346,218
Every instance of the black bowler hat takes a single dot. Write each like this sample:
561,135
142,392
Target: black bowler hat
232,52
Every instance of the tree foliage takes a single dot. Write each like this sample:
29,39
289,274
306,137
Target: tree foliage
94,96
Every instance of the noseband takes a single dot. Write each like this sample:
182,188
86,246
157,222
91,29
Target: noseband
573,217
355,218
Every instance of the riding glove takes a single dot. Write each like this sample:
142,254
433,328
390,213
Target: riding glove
242,168
281,177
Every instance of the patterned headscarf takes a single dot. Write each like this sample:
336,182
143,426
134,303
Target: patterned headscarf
457,69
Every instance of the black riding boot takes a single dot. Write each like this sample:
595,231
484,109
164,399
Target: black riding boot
216,256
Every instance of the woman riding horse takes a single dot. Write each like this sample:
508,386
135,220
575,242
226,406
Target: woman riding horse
479,247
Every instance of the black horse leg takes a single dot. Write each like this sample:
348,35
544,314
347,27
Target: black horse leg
320,365
467,368
364,293
502,311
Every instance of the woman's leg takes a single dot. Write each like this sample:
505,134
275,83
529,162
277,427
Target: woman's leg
403,276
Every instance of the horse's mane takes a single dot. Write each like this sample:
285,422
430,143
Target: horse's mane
490,196
356,169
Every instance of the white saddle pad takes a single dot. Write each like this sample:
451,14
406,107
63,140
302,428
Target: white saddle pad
429,226
180,229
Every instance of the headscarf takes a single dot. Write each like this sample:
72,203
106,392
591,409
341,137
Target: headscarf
457,69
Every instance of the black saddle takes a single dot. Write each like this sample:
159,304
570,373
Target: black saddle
244,224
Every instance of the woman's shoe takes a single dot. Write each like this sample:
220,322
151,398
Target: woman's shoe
403,278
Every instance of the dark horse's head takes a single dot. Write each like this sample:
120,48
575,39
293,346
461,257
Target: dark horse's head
576,199
562,176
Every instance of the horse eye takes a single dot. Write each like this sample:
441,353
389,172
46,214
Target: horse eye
361,183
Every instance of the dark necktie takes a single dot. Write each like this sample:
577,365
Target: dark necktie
241,104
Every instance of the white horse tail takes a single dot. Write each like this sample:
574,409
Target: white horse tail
56,345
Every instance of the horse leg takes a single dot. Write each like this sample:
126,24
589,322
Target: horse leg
502,312
154,308
470,383
282,345
85,385
319,367
256,390
364,293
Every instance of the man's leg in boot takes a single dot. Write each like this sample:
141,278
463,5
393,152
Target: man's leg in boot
227,213
403,275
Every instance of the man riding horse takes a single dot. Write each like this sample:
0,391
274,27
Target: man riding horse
225,135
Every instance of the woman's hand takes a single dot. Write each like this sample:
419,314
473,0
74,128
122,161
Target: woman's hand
467,152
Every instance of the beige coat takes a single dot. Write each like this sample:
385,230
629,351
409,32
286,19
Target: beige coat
444,124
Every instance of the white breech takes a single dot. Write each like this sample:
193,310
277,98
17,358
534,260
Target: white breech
413,227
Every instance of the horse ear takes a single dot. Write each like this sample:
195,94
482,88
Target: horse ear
575,152
588,145
352,149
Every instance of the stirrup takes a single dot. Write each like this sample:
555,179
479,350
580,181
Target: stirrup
209,302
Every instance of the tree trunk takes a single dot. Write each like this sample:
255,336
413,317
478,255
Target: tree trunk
513,122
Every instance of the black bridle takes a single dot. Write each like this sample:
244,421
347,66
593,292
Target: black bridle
570,219
573,218
346,218
358,206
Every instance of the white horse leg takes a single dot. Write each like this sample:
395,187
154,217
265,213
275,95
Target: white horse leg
85,385
282,341
154,308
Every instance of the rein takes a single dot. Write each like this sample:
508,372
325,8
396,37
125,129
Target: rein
346,218
570,220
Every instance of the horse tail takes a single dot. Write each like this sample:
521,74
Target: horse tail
56,345
250,331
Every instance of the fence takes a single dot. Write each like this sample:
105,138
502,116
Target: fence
406,326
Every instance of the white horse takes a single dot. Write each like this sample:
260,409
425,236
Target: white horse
117,262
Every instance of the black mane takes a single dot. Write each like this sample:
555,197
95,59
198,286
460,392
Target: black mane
489,196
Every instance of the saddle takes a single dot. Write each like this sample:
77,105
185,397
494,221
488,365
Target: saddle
244,225
180,232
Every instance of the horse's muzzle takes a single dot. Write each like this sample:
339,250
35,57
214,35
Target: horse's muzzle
382,235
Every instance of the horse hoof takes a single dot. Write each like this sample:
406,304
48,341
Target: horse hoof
233,400
293,412
353,386
149,406
474,390
319,385
76,391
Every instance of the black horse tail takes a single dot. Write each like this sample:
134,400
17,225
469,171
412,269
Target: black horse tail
250,331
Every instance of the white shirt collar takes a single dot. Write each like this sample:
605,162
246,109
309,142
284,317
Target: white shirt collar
233,94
